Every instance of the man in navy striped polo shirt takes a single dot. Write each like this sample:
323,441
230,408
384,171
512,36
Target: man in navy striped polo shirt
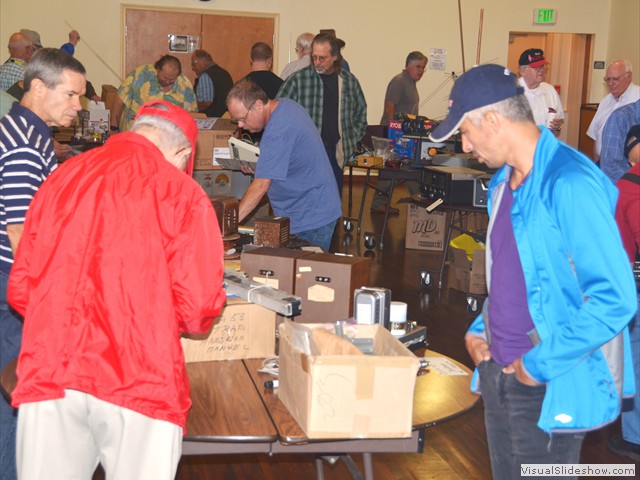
53,85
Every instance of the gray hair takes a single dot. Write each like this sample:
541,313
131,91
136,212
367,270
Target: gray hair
628,68
415,57
516,109
172,135
304,40
203,55
47,64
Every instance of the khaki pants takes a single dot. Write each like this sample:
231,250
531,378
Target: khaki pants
66,438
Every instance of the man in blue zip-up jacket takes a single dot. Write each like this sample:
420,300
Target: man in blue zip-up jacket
551,344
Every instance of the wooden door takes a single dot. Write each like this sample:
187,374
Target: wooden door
228,38
568,54
146,37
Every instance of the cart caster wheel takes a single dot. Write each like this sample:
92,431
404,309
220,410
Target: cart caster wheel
472,305
369,242
348,226
426,279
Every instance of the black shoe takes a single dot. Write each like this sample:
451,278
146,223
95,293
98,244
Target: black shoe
382,209
619,445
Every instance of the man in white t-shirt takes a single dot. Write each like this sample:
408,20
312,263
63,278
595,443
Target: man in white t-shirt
621,92
543,98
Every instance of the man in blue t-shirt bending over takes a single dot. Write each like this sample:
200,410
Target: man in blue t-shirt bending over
293,167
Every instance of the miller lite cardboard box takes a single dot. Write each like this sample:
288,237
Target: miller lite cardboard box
425,231
333,390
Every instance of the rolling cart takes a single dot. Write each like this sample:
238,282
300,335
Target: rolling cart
395,175
458,215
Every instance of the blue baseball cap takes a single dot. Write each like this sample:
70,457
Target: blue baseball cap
479,87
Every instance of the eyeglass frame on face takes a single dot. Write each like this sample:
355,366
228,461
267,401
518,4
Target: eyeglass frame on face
615,79
316,58
246,115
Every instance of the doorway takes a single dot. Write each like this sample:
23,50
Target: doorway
569,55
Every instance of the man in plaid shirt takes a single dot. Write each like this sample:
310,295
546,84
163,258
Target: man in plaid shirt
334,99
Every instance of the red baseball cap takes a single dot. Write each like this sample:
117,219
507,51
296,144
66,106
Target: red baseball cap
179,117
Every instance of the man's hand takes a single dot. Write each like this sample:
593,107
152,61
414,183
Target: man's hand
478,349
247,170
63,151
522,376
555,126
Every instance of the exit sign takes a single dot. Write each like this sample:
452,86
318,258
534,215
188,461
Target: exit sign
544,16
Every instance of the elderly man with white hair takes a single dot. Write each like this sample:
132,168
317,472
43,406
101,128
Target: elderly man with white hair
303,49
621,92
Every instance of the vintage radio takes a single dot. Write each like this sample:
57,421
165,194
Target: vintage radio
326,284
272,266
215,183
226,208
481,190
452,185
271,231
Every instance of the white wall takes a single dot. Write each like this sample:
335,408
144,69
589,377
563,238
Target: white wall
378,34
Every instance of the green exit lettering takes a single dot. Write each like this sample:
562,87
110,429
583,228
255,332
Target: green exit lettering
545,15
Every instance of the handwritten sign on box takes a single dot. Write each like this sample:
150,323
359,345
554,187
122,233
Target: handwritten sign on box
243,330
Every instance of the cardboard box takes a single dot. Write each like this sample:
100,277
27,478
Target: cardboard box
215,182
326,282
243,330
212,141
425,231
340,393
394,132
272,266
465,276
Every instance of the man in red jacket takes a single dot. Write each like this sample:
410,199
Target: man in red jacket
121,253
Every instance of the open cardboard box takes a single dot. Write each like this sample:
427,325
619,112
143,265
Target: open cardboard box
470,277
339,392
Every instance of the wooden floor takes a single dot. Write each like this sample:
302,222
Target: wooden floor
454,450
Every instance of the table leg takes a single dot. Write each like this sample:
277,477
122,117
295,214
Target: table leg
350,188
364,197
386,212
445,250
353,468
319,468
367,460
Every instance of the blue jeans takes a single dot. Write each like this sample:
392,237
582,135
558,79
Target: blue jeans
10,340
631,419
320,236
511,412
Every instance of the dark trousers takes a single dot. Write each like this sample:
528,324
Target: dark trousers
511,412
337,170
10,340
